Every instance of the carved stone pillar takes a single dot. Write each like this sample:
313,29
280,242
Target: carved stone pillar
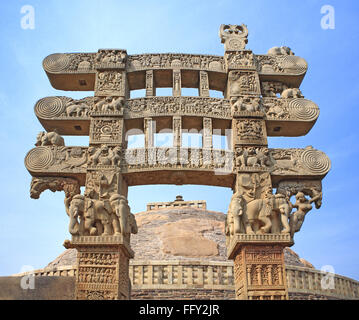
254,222
150,84
102,268
259,270
102,233
203,84
150,130
177,83
207,133
177,131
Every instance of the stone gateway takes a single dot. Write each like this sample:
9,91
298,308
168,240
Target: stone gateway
261,98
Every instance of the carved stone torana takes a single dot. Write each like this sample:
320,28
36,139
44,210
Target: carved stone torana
262,97
307,164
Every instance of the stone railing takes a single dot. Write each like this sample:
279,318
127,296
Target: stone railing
181,275
176,274
309,281
200,204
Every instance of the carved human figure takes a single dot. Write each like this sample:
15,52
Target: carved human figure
303,206
49,139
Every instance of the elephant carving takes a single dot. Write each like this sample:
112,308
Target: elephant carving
77,110
49,139
269,215
124,220
98,218
280,51
75,210
292,93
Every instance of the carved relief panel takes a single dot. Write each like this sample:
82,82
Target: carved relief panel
249,132
107,130
247,106
150,85
203,84
244,59
242,83
110,59
110,83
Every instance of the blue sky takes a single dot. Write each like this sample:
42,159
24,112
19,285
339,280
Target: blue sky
32,231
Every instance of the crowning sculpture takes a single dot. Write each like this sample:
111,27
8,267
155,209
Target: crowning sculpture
261,98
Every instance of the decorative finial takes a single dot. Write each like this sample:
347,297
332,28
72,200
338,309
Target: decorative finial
234,37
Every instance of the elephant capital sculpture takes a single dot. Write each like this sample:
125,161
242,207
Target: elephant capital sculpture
259,216
124,220
269,215
97,217
75,207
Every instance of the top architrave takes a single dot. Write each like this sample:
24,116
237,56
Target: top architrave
76,71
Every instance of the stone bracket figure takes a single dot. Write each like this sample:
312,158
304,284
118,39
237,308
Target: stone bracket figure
303,206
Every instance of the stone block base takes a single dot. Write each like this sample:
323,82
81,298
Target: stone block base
103,268
259,271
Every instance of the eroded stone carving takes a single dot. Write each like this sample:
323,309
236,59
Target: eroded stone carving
70,186
234,37
49,139
243,82
176,61
249,131
110,59
303,206
110,83
246,105
281,51
253,158
109,106
291,93
240,60
105,130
